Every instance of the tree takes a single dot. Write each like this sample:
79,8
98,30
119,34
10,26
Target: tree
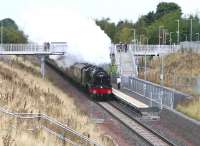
164,8
7,22
13,36
11,32
169,22
108,27
149,18
121,24
125,35
124,31
147,25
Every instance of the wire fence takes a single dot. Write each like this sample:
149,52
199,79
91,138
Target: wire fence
54,127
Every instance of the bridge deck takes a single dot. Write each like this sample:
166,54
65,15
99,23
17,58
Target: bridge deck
30,53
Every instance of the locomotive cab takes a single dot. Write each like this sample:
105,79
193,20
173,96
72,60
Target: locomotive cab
100,83
102,79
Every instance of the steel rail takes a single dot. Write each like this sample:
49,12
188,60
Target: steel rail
150,140
153,131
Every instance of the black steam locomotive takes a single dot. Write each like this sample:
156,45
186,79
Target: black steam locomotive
94,79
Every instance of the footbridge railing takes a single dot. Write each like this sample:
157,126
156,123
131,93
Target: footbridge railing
154,49
32,49
22,47
141,50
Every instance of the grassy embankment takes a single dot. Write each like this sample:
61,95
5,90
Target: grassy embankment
180,71
23,90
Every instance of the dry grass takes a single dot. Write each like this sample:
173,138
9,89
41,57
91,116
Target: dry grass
191,109
23,90
180,72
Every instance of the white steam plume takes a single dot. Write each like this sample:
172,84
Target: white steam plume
86,41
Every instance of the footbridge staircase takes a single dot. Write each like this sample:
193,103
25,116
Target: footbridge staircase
124,55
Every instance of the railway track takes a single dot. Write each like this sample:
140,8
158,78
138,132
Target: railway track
151,137
147,134
126,108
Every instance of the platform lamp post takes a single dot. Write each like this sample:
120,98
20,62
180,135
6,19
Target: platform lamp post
178,31
162,71
186,38
197,36
159,29
134,34
191,29
170,41
134,41
170,38
161,74
120,61
140,39
1,33
145,61
165,33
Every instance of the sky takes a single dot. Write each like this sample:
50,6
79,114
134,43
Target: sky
71,21
114,9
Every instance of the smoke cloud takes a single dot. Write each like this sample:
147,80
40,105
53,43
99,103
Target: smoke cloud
85,40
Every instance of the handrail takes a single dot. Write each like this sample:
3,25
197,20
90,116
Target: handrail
52,121
30,49
154,49
59,136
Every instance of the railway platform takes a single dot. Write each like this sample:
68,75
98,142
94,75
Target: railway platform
135,101
129,99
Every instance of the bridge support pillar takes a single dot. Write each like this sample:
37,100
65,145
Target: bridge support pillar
42,67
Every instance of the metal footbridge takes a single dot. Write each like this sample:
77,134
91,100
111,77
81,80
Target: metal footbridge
149,50
125,55
153,50
28,49
34,49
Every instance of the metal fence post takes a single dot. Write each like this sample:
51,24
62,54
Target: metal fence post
63,136
161,99
42,69
144,89
151,102
172,100
174,79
